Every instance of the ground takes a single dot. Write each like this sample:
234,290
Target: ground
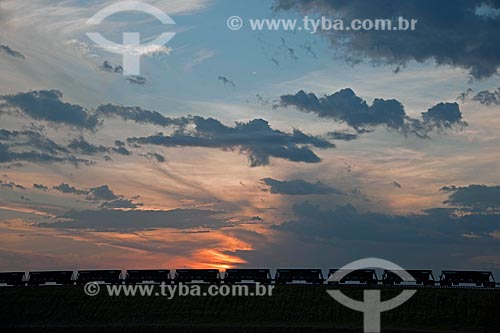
290,309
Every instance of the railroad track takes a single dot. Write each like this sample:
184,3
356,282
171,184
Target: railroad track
305,285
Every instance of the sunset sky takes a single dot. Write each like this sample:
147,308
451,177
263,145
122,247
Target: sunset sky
250,148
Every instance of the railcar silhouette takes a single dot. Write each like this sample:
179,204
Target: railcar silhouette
43,277
312,276
211,276
422,277
147,275
12,278
363,276
479,278
254,275
112,276
447,278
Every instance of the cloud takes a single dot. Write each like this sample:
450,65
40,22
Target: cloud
443,116
256,138
226,81
68,189
107,220
120,203
31,146
6,155
136,114
342,136
475,198
81,146
13,53
31,139
108,67
487,12
346,107
11,185
451,33
100,194
40,187
118,69
484,97
298,187
47,105
347,223
396,184
487,97
137,80
154,156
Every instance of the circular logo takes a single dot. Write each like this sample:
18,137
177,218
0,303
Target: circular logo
235,23
92,289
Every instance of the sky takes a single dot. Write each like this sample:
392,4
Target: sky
246,148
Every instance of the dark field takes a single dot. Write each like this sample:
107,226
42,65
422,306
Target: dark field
290,309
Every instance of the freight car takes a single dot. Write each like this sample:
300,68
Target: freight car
311,276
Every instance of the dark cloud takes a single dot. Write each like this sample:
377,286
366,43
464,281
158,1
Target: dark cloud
31,146
484,97
80,145
108,220
31,139
118,69
137,80
443,116
6,155
137,115
108,67
449,32
40,187
226,81
120,150
11,185
120,203
154,156
396,184
256,138
13,53
346,107
68,189
298,187
475,198
328,238
47,105
100,194
342,136
347,223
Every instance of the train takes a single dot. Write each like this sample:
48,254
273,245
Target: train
306,276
